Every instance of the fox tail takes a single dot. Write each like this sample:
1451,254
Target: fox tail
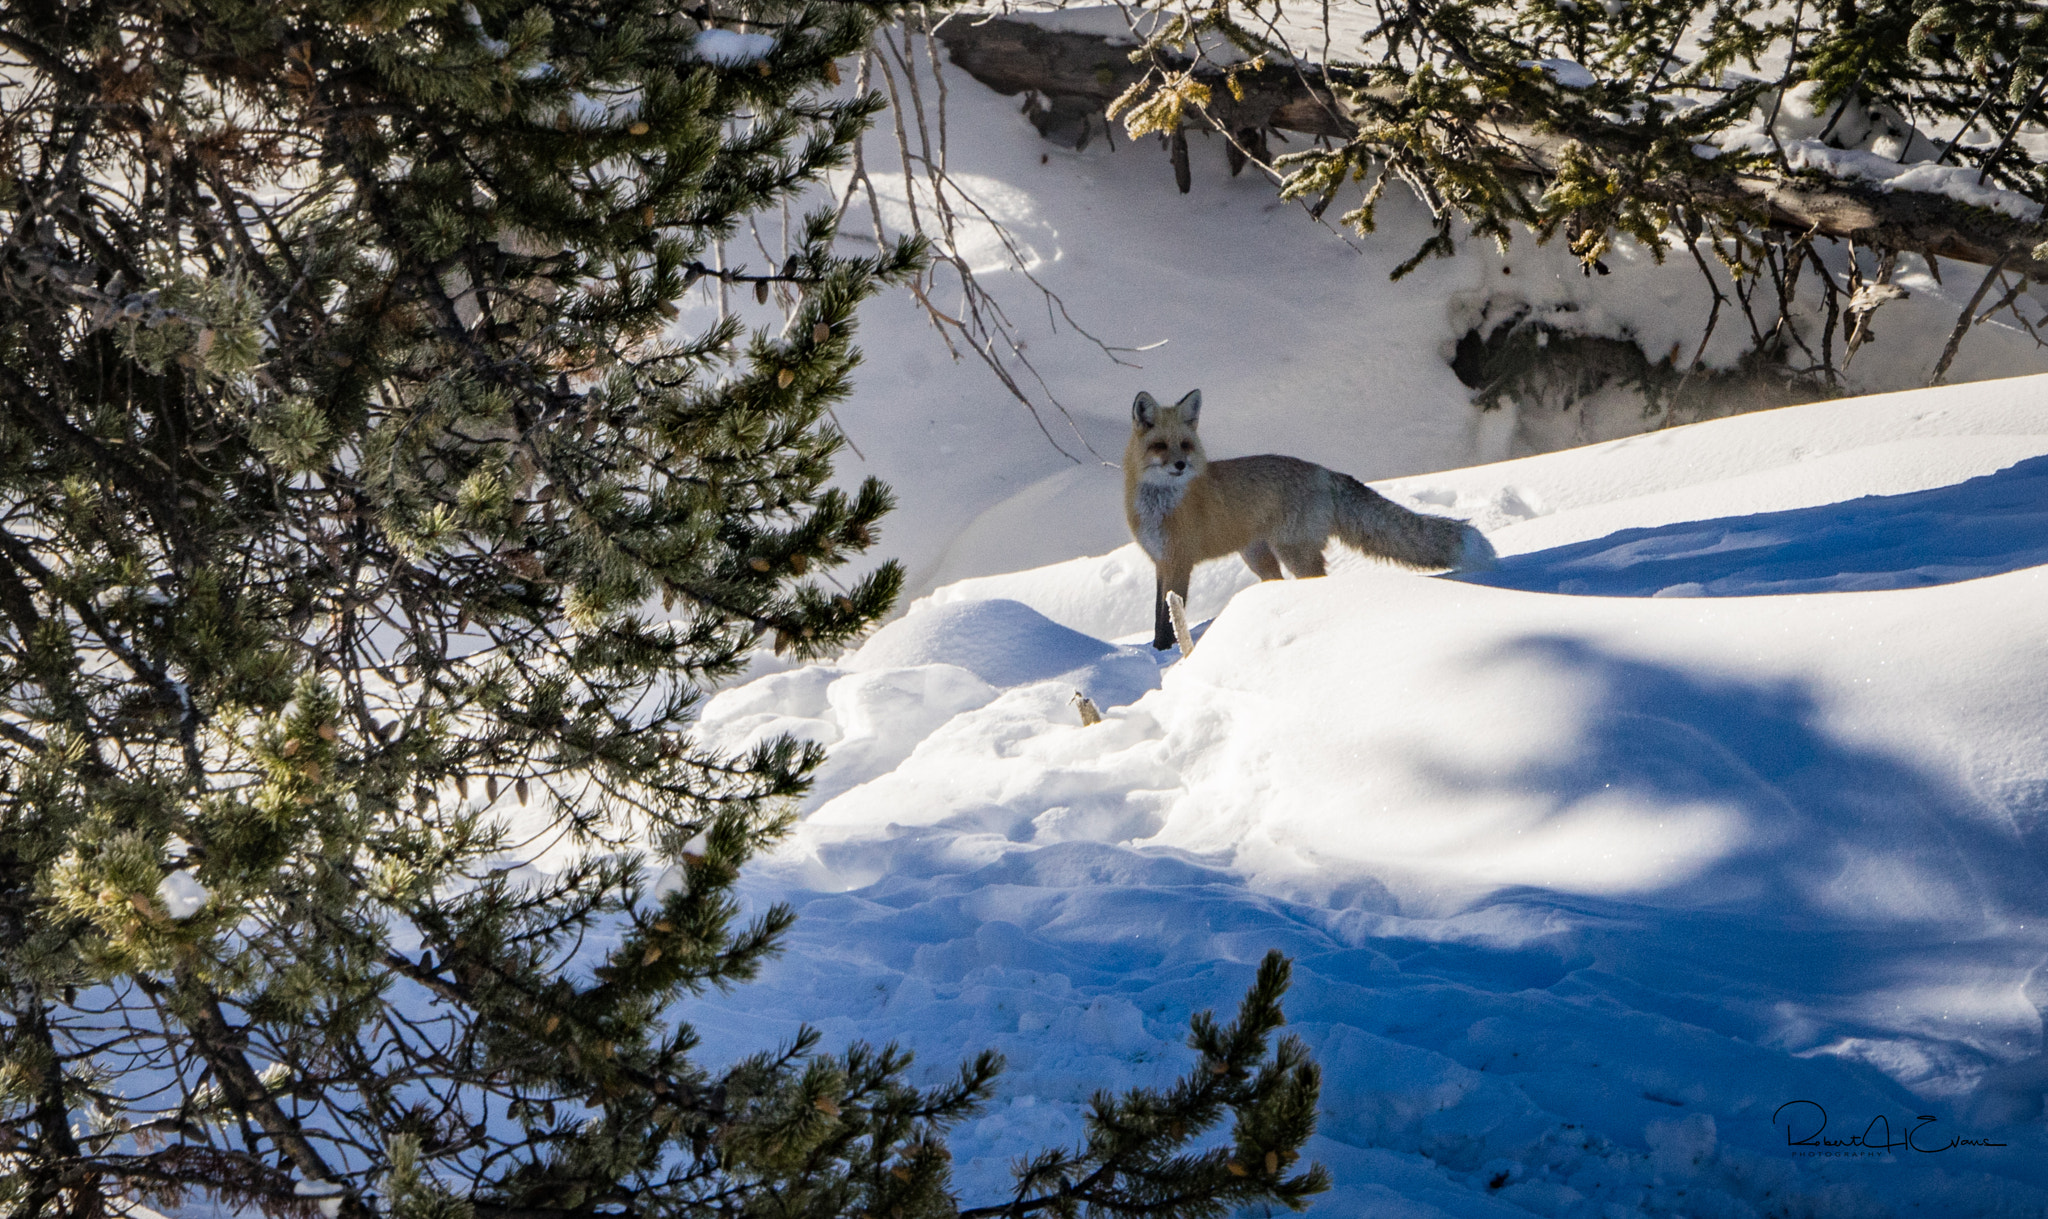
1372,524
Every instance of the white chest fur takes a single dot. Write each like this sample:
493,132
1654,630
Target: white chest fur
1155,501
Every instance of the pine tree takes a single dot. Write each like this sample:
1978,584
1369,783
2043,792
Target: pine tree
345,446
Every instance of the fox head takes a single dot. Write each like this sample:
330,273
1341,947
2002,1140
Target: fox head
1164,448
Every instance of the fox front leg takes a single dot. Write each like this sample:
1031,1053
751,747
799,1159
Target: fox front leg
1172,578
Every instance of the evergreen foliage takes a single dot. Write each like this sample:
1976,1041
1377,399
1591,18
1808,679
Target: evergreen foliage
1133,1162
344,446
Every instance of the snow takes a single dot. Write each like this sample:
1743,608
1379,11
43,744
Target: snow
1001,642
604,110
1106,22
730,48
181,894
1108,595
1871,144
1583,890
1717,803
326,1195
1990,524
1002,228
1122,27
1567,72
496,46
1954,181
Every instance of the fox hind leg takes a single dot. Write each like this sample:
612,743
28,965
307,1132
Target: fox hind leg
1303,559
1260,558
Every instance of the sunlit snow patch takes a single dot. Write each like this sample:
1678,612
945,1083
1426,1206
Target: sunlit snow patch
181,894
1005,643
327,1195
730,48
914,677
1569,73
994,225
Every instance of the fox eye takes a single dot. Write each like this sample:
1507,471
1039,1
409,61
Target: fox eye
1187,446
1156,447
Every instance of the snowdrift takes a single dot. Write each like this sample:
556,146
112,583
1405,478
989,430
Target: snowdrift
1716,807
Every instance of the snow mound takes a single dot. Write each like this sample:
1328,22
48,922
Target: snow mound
1108,596
1005,643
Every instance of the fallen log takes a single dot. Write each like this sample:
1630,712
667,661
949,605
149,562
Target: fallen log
1069,78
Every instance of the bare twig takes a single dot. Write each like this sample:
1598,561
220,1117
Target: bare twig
1860,327
1833,300
2005,302
1692,245
1963,323
1177,613
2019,118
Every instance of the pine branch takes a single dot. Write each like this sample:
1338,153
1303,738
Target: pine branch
1132,1162
1514,139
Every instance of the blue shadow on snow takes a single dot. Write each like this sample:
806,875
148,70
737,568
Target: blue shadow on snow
1985,526
1851,876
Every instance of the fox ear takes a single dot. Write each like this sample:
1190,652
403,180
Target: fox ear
1145,410
1190,407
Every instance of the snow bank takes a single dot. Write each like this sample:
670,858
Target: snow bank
1736,484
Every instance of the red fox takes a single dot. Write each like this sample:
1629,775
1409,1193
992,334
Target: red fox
1269,510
